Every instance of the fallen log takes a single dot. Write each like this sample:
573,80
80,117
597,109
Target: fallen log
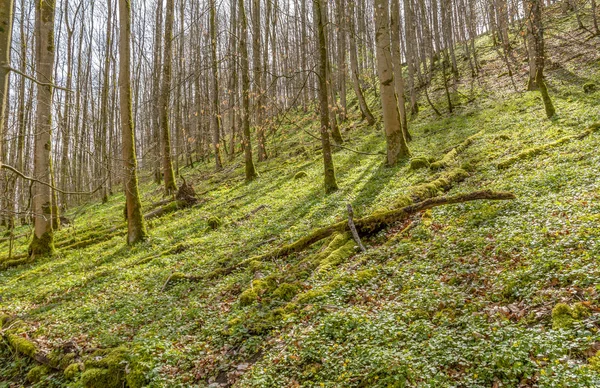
368,225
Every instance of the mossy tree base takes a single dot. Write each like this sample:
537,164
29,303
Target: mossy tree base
42,246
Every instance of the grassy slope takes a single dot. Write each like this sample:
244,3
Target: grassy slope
462,299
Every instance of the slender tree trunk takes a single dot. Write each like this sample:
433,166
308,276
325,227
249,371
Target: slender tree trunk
396,143
251,173
364,108
258,92
330,182
215,87
104,100
156,93
43,238
535,15
341,56
398,78
136,229
6,19
168,174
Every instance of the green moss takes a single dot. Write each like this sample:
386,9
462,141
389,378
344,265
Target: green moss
580,311
364,276
562,317
248,297
136,376
255,265
594,362
105,368
300,175
418,163
42,246
72,371
309,296
286,291
37,373
4,319
214,223
21,345
338,256
101,378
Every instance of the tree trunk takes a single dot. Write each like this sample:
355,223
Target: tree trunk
329,170
364,108
6,20
43,238
258,92
398,78
168,174
535,16
396,143
251,173
136,229
215,86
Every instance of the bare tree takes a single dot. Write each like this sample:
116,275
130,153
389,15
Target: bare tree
396,143
43,237
168,174
329,170
136,229
251,173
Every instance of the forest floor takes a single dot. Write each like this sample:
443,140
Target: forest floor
458,296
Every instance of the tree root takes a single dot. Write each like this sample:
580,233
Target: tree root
368,225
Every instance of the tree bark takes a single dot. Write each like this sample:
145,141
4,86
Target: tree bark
6,21
168,174
136,229
258,92
535,16
364,108
43,238
329,170
251,173
396,143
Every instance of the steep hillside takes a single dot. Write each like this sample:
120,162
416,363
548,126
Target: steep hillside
477,294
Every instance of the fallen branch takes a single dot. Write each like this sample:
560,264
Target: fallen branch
352,227
369,225
14,237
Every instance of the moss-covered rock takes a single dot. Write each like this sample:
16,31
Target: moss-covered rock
105,368
565,316
214,223
72,371
286,291
418,163
101,378
38,373
300,175
248,297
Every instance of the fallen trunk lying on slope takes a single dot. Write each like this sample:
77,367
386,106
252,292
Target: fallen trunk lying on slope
370,224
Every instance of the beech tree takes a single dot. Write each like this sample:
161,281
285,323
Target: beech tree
537,32
168,174
43,237
329,170
396,143
136,229
251,173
